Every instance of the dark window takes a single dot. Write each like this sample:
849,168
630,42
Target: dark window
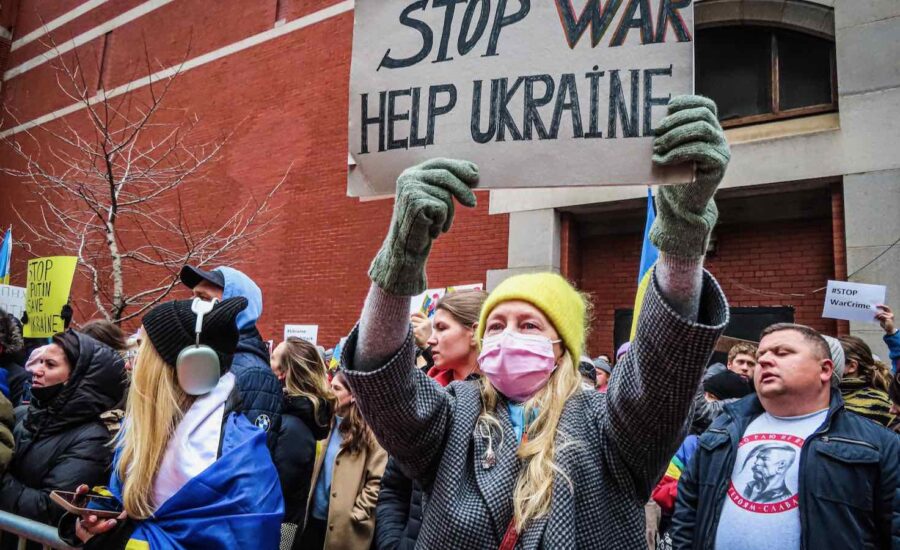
757,74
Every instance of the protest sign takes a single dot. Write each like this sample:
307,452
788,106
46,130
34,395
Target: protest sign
426,302
46,292
12,300
853,301
538,94
305,332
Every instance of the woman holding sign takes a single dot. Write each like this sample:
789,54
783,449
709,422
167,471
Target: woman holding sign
524,457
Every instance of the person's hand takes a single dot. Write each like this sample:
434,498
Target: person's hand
421,329
423,209
686,214
89,525
886,317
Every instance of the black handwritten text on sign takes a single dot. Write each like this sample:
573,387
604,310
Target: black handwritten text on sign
577,84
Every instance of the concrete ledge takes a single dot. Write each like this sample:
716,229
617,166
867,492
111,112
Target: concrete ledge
815,16
784,128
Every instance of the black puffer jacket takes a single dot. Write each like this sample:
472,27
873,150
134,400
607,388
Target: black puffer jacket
295,455
64,444
261,393
398,516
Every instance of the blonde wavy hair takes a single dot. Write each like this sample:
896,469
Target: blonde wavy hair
304,374
156,404
534,486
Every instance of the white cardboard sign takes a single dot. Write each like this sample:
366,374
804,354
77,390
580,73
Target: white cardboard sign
853,301
12,300
538,93
305,332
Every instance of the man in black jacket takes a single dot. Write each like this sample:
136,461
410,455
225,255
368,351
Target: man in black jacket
789,467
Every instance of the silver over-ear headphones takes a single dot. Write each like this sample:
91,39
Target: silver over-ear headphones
197,366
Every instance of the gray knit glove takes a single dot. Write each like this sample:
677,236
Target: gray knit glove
423,209
686,214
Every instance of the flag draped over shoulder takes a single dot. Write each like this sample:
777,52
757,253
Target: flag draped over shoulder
235,503
649,255
5,257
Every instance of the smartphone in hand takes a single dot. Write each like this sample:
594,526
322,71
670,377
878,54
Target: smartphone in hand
87,504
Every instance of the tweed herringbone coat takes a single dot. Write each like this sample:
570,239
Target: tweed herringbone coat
613,447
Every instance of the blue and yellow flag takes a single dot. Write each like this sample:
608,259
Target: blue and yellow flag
5,257
649,254
234,503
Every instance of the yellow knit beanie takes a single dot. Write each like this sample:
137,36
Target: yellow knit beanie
551,294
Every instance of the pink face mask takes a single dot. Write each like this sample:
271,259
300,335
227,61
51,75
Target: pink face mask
518,365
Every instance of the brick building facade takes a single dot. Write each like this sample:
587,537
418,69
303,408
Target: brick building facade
275,72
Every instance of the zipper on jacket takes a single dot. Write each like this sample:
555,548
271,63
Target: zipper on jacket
801,474
828,438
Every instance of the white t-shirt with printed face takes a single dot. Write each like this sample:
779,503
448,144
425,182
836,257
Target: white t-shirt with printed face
761,508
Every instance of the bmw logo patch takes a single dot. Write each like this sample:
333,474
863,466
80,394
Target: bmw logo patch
263,422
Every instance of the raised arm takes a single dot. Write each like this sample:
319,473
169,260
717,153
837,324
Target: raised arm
684,311
408,412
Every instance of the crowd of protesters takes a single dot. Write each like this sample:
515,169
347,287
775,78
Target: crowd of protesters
485,426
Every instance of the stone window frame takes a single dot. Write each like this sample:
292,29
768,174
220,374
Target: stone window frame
813,17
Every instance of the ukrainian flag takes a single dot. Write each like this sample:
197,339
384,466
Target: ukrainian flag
6,257
649,255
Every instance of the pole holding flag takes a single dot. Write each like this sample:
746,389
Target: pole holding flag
649,255
6,257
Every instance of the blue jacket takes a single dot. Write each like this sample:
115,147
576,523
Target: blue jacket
892,341
849,481
261,393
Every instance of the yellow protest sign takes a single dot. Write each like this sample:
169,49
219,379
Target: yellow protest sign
47,291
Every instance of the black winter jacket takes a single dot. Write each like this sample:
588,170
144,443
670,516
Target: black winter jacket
295,456
849,481
398,516
63,444
260,390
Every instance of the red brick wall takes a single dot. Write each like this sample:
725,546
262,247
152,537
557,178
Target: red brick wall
781,264
286,99
840,244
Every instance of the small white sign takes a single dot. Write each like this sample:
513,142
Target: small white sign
12,300
853,301
305,332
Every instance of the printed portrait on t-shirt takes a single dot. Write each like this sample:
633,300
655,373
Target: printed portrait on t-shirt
769,464
765,474
764,490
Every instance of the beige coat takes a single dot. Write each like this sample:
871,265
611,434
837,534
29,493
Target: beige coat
355,484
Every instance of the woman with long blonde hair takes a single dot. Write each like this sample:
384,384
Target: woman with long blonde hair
190,470
525,458
306,413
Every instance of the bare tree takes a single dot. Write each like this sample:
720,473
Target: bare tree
110,180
